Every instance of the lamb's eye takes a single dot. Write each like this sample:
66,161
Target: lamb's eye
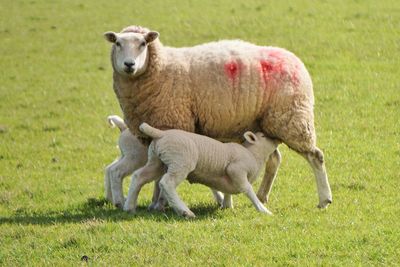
142,44
118,44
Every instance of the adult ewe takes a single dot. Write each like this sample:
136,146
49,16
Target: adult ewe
219,89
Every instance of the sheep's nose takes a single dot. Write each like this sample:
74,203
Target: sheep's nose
129,64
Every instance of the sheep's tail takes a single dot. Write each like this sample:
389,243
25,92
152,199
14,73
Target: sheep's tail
115,120
151,131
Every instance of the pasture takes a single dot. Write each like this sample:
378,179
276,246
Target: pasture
56,92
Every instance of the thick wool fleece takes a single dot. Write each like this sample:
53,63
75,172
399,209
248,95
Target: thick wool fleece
221,89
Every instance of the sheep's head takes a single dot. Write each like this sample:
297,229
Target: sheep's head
260,145
130,51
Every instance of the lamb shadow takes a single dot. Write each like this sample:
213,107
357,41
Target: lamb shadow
100,209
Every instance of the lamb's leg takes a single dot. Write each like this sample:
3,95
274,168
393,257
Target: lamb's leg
156,196
168,184
271,169
227,203
122,168
240,181
316,161
218,196
107,182
150,172
161,203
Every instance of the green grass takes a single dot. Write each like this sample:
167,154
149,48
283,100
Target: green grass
56,91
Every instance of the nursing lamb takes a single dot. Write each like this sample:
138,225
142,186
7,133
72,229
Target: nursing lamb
227,167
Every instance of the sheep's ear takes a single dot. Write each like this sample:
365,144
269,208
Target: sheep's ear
250,137
151,36
110,36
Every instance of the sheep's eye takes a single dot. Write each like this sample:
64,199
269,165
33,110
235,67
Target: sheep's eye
142,44
118,44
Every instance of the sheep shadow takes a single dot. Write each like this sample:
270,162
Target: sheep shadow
100,209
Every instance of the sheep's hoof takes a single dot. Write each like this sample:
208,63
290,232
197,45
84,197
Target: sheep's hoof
188,215
324,204
263,199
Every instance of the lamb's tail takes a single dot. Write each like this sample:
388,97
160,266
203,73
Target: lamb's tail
115,120
151,131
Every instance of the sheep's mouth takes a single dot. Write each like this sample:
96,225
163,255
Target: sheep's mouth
129,70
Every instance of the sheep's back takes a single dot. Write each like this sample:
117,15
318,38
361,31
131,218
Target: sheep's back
234,83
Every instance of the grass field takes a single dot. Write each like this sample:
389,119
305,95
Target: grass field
56,92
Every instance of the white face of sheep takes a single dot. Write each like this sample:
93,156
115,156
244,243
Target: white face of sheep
129,57
260,143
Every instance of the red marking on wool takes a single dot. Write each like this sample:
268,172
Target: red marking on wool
231,70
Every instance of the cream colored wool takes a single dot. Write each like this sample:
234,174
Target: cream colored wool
226,167
222,89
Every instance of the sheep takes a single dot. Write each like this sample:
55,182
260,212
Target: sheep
133,156
226,167
219,89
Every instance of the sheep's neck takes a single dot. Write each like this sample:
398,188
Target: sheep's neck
259,155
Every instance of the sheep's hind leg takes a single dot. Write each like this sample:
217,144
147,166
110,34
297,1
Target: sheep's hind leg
271,169
316,161
168,184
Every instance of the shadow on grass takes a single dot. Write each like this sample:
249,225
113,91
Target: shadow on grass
100,209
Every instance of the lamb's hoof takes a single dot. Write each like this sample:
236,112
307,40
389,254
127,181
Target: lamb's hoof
119,206
129,210
152,206
188,215
324,204
226,206
159,207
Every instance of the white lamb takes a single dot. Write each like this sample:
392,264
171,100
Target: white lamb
226,167
133,156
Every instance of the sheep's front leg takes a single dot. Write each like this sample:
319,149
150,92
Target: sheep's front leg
271,169
240,181
168,184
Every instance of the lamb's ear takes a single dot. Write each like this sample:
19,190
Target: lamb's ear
151,36
110,36
250,137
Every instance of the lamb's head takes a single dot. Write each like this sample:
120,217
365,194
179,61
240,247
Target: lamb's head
129,54
260,145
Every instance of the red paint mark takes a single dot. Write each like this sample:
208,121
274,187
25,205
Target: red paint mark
295,76
231,70
279,66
